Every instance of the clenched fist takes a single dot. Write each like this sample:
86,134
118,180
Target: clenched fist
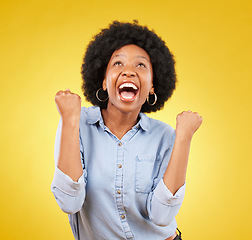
188,123
68,105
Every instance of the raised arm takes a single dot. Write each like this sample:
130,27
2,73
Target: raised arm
68,185
175,174
69,107
164,203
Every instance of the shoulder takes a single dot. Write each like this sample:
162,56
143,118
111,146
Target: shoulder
90,114
158,130
156,125
85,110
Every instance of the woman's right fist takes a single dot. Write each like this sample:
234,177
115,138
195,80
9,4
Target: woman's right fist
68,105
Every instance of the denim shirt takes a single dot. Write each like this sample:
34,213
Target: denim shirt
121,194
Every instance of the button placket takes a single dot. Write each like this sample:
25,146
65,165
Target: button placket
119,190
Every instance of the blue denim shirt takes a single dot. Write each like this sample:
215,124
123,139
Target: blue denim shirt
121,194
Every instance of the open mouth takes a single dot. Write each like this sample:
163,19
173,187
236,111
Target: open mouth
128,91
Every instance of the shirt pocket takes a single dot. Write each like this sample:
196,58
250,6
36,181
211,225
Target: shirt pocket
147,168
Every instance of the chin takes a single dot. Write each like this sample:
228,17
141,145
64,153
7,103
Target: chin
127,107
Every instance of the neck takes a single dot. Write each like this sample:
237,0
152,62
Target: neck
119,122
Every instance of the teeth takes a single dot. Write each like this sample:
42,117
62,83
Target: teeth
128,85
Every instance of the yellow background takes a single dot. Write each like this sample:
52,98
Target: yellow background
42,44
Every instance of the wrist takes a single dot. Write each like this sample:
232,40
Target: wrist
71,121
183,135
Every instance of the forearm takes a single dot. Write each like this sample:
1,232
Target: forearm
175,174
69,161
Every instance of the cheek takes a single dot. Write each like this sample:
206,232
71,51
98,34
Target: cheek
111,77
111,83
148,81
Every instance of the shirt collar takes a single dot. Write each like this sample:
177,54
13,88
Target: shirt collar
94,116
144,122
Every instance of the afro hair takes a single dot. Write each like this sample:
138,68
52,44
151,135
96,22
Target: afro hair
117,35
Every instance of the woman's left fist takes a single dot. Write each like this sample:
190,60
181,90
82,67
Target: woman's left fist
187,123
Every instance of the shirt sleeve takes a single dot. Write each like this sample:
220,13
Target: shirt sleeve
162,205
69,194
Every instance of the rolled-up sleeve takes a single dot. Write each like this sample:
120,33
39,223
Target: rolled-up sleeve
163,206
69,194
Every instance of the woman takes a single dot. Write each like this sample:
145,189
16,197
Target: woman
120,174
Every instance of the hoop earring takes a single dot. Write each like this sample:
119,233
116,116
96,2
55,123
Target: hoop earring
97,96
155,100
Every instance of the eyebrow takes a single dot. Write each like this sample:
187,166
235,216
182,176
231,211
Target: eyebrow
139,56
122,55
119,55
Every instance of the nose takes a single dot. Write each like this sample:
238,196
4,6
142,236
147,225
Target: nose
127,72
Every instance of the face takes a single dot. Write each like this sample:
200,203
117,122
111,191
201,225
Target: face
128,79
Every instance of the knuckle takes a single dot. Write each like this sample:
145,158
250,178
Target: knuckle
59,93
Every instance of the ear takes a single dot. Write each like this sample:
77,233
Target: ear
104,84
152,90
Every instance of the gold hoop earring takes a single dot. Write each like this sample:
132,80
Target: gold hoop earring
155,100
97,96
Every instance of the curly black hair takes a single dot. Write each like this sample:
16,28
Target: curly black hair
117,35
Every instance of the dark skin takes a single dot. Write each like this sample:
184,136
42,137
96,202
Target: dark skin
129,65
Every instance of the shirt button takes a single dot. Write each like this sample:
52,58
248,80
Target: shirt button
120,144
119,165
122,217
118,191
